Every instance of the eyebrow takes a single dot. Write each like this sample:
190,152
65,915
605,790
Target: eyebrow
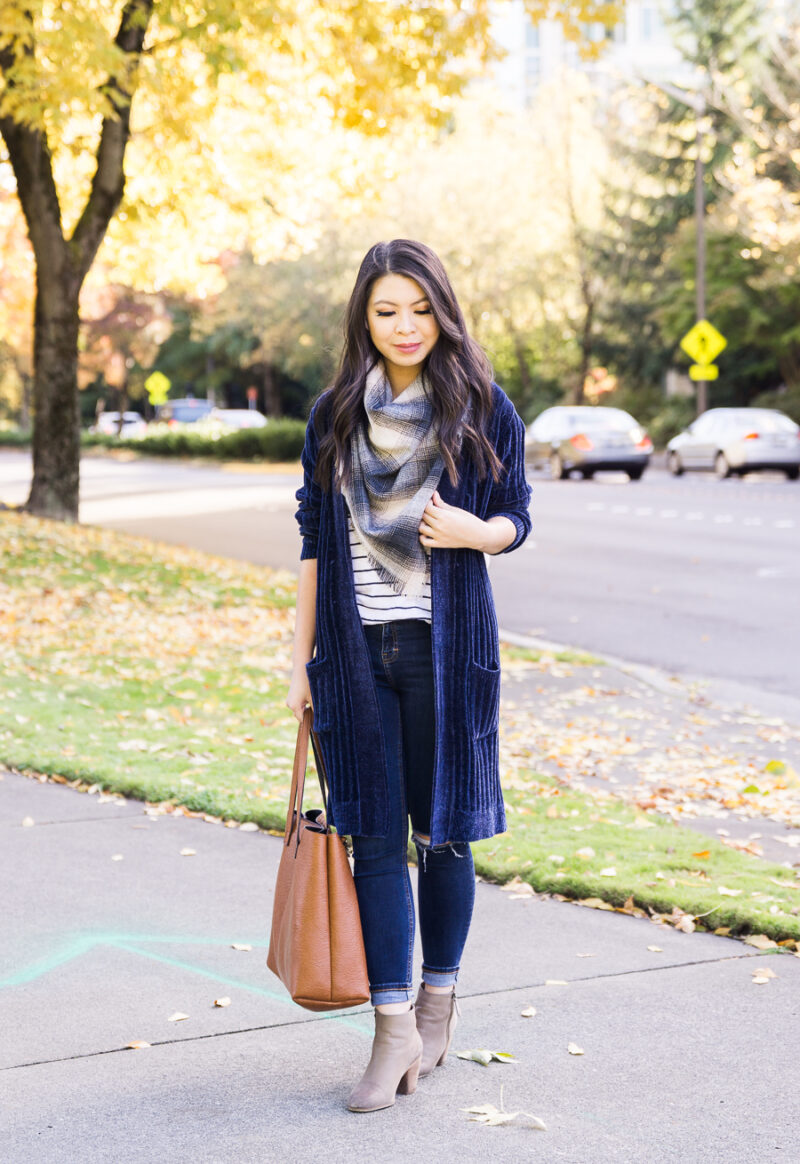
389,302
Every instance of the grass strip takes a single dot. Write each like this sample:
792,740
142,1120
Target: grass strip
160,673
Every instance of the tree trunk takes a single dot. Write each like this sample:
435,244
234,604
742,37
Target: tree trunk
62,264
272,397
56,430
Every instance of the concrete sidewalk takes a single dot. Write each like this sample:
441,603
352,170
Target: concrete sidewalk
685,1058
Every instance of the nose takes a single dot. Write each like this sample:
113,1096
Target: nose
405,323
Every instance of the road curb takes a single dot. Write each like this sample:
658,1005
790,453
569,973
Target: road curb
692,688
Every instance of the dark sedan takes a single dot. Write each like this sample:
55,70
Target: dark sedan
587,438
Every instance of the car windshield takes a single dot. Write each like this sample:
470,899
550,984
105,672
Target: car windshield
607,419
755,419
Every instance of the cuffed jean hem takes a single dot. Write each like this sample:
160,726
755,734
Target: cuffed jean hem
439,977
383,995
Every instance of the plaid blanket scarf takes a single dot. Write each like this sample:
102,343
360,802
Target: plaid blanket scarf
396,465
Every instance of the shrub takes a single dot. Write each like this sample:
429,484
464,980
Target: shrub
672,418
15,438
784,399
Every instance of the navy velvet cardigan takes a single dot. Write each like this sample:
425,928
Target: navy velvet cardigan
467,799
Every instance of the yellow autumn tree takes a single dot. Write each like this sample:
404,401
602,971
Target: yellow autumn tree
80,81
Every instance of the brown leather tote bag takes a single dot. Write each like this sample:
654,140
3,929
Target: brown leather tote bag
316,947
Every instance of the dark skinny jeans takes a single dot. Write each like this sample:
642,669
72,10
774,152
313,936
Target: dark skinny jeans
401,658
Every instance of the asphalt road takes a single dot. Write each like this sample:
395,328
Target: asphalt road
692,575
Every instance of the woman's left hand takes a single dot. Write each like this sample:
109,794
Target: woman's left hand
446,527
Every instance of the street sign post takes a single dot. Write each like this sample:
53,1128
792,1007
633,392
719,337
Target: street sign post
703,343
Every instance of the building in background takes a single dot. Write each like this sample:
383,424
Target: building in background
640,45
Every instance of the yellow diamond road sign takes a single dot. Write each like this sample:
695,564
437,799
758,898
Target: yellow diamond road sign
703,342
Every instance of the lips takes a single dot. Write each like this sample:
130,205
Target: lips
407,348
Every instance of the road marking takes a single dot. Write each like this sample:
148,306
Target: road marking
723,518
694,516
768,572
668,513
784,523
620,508
643,511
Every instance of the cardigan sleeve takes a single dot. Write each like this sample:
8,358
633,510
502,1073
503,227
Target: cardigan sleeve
309,495
510,496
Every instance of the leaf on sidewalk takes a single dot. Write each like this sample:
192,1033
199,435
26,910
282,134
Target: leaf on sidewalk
485,1057
574,1049
136,1045
177,1017
242,945
222,1001
188,852
656,949
492,1117
760,941
528,1012
28,822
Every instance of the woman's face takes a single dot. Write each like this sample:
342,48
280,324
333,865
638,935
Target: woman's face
402,325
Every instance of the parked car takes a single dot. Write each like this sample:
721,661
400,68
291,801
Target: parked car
237,418
587,438
133,425
183,410
737,440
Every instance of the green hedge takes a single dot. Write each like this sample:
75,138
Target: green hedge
279,440
15,438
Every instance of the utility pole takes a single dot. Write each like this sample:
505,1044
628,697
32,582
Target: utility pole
696,100
699,106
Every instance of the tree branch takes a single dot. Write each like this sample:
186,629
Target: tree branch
32,163
108,183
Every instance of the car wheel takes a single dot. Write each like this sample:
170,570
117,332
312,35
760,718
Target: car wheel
634,474
792,473
558,471
721,467
587,474
675,465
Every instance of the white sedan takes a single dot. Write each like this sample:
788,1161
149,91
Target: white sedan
737,440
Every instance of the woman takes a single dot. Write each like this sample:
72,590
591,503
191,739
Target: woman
414,469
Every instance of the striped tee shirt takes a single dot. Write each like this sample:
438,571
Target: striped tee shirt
376,600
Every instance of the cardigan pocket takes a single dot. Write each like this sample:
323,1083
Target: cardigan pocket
322,682
484,698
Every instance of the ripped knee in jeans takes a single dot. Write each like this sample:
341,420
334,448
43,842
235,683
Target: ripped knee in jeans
424,846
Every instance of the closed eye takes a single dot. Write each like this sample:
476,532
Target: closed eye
422,311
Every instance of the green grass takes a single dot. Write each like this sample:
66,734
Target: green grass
659,864
529,655
161,673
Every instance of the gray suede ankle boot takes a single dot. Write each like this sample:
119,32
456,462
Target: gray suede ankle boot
436,1021
394,1065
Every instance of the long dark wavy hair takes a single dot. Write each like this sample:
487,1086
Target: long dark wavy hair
457,369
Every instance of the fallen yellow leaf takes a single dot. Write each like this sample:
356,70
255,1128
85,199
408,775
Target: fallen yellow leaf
574,1049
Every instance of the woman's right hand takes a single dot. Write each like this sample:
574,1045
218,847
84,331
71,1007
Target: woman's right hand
299,697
